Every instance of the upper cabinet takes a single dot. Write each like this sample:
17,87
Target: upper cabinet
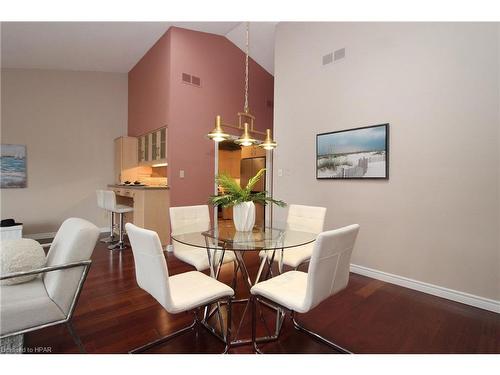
125,155
152,147
142,149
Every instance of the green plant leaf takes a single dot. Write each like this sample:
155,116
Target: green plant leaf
251,183
233,193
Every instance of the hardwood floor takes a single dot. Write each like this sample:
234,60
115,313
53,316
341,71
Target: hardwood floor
370,316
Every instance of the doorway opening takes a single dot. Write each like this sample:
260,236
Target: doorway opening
242,163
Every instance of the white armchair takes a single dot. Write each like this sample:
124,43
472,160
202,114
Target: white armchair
301,292
50,299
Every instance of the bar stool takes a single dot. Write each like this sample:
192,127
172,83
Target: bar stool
100,204
120,209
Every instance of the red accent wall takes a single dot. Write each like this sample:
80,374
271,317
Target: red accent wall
190,111
148,89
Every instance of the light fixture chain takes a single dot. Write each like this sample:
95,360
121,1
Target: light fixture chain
246,66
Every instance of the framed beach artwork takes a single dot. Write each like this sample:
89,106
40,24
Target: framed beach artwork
361,153
13,166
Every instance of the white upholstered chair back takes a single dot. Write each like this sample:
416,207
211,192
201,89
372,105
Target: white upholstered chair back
151,270
75,241
329,265
189,219
100,199
109,199
306,218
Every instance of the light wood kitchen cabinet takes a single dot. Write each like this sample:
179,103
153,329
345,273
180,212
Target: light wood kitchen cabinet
150,208
252,152
230,162
125,155
152,147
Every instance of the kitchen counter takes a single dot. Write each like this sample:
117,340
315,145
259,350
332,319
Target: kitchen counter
151,205
131,186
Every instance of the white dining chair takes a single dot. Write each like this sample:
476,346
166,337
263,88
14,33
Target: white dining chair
189,219
187,291
300,218
51,298
301,292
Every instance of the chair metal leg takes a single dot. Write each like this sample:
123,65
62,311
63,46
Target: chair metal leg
75,337
319,337
195,324
120,245
111,237
163,339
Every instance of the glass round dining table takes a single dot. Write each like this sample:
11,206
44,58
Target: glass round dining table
217,241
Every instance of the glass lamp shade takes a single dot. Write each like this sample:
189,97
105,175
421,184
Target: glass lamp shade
268,143
245,139
217,134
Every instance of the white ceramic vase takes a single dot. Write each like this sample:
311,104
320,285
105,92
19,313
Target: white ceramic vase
244,216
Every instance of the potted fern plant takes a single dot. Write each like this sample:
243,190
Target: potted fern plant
242,199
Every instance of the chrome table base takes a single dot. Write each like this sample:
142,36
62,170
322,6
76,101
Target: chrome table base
240,266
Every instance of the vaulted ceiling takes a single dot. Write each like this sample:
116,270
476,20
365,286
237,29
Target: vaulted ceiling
113,46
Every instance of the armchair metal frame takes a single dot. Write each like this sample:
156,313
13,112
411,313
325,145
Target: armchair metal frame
67,320
196,323
296,324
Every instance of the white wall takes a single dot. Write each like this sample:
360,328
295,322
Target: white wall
68,121
436,219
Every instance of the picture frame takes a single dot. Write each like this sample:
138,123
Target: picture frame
13,166
353,154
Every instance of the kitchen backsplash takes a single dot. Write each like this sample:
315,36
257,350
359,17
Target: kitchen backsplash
144,175
153,181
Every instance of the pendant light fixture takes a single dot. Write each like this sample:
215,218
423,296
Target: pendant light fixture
245,139
217,134
268,143
245,118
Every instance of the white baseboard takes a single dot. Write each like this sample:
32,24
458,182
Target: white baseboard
454,295
44,236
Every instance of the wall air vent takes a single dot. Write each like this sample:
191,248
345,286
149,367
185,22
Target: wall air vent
186,78
334,56
339,54
196,81
327,59
191,80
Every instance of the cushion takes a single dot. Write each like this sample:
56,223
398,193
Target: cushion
192,289
287,290
292,257
198,257
20,255
26,305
